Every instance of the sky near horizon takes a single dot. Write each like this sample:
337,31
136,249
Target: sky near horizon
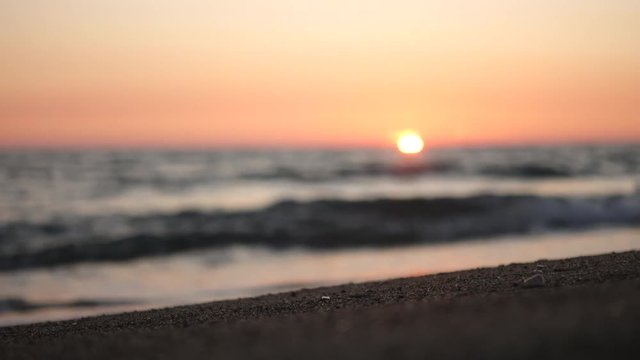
129,73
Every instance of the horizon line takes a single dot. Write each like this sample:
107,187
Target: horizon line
313,146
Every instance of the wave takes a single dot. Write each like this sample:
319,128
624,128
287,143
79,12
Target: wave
15,304
315,225
528,171
371,169
416,169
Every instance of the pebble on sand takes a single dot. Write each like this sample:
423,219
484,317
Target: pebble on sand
325,298
536,280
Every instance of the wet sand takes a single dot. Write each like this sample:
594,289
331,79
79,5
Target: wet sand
588,307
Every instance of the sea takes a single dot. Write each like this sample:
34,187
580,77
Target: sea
87,232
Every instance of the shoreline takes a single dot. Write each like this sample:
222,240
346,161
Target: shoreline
587,307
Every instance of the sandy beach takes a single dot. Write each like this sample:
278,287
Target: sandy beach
588,307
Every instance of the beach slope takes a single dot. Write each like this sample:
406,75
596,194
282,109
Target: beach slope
587,307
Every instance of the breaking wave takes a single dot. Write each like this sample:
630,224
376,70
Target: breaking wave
316,225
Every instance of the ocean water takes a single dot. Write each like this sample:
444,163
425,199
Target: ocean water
86,232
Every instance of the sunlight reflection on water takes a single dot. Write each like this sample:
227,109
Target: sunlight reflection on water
240,271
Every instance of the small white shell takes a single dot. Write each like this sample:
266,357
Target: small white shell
536,280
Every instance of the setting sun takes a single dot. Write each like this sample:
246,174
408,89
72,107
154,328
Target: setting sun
410,142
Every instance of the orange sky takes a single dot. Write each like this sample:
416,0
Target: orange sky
317,73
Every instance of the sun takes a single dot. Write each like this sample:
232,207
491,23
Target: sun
410,142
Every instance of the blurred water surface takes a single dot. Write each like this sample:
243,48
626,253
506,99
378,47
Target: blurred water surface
84,232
